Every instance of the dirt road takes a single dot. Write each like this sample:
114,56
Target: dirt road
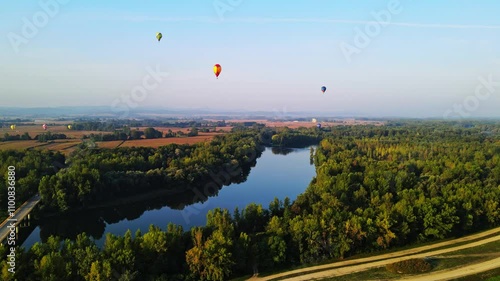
458,272
381,263
346,267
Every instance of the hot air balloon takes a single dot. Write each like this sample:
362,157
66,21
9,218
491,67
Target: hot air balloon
323,89
69,127
318,125
12,127
217,70
44,126
159,36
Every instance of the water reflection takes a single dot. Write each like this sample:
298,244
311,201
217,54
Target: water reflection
274,176
282,150
94,222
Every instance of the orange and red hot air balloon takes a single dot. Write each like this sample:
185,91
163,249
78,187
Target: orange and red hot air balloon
217,70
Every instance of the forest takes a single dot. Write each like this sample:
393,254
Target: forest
30,167
375,188
102,174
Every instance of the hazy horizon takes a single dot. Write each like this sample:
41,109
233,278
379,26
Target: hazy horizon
425,60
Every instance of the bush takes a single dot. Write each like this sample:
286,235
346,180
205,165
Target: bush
411,266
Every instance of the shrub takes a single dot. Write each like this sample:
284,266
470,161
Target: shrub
411,266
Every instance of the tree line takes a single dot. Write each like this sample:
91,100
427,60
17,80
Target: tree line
113,125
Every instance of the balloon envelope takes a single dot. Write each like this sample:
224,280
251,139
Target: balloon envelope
159,36
12,127
323,89
69,127
44,126
217,70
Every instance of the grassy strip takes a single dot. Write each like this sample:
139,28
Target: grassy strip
493,247
372,274
492,275
381,273
446,261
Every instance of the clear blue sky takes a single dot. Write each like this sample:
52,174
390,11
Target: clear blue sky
274,55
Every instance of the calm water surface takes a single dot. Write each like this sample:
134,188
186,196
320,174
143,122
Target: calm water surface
275,175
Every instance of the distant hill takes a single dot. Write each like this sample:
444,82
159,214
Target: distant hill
157,112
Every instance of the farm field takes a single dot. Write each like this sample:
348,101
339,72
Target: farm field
37,130
59,145
108,144
69,145
166,141
74,137
19,144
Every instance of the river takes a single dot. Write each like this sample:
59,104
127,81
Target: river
278,173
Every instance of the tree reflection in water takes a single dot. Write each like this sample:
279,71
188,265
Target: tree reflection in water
282,150
93,222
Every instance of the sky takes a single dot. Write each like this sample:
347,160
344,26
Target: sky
376,57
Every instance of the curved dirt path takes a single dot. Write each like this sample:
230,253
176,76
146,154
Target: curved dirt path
457,272
371,262
376,264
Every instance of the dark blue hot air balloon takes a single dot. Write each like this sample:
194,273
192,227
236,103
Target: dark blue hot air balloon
323,89
318,125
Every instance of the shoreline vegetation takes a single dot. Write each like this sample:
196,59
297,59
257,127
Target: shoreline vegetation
104,175
375,188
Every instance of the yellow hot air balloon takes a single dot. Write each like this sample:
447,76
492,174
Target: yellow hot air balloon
69,127
12,127
159,36
217,70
